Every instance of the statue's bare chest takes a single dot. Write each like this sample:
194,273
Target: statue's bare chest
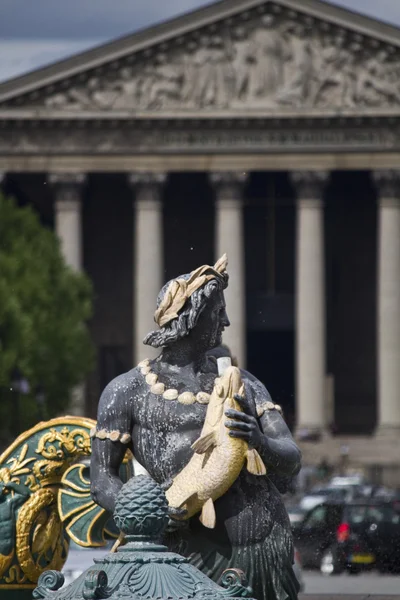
164,430
164,413
172,399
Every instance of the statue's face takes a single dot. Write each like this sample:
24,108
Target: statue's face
212,322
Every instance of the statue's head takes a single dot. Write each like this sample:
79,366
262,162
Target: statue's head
193,304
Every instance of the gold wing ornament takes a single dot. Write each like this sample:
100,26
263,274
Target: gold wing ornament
86,522
37,471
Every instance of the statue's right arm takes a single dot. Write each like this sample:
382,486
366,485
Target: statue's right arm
115,413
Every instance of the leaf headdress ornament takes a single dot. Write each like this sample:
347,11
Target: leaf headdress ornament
180,290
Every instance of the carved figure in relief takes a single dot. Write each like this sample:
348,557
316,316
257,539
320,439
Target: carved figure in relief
158,409
127,90
195,77
95,94
166,84
243,62
299,84
337,83
266,63
374,83
209,80
270,54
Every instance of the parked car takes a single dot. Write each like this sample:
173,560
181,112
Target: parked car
321,494
347,480
344,489
296,514
336,536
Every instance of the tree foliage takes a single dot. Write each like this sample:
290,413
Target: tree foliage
44,307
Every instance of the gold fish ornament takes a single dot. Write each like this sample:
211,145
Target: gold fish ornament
218,458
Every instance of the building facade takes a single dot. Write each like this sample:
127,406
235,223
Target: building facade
265,129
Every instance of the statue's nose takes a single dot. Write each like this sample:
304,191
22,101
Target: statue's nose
226,322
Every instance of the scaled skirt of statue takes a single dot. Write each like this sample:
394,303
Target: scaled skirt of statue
252,534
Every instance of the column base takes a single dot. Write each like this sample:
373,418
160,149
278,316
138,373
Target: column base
388,432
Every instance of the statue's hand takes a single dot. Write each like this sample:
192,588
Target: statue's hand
174,523
244,423
176,513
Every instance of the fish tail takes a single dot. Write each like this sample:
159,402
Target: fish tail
207,517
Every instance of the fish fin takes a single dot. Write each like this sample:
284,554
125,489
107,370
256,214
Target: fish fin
255,464
205,442
190,498
207,517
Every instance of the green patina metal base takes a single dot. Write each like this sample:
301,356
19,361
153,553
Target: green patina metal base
142,568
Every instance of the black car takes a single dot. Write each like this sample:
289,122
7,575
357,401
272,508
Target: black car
336,536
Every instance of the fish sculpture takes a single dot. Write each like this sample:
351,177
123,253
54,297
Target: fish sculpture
218,458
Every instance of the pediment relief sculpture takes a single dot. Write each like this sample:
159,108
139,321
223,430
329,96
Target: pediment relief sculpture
260,63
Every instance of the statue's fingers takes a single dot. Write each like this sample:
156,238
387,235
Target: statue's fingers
167,484
250,398
237,414
177,512
244,404
238,425
243,435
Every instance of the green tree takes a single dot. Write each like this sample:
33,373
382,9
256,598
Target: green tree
44,307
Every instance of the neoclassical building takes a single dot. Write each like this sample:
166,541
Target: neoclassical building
269,130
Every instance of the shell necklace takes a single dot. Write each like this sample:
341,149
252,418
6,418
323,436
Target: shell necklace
158,388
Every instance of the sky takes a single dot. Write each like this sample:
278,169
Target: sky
34,33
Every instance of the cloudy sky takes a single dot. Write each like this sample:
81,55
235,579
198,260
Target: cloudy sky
38,32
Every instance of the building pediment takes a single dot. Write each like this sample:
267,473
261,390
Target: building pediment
238,56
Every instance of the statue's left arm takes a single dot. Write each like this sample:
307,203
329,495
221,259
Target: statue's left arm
267,433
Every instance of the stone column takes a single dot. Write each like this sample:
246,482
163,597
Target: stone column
68,220
310,301
148,257
388,318
68,225
230,239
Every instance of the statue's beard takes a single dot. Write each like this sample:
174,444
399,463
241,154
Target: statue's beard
216,339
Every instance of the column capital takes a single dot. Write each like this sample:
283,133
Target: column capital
229,178
67,187
309,185
228,186
147,187
387,183
66,179
146,178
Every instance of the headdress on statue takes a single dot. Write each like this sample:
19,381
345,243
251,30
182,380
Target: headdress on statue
180,290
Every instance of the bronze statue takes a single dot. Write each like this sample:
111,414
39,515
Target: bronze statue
158,410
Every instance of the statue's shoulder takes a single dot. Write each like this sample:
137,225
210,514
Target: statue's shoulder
123,385
262,397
